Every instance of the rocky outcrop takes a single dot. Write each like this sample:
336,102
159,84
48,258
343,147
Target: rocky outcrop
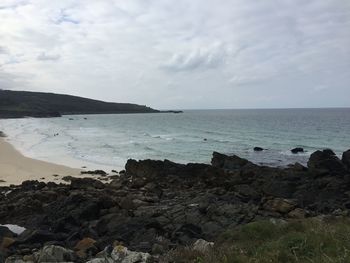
297,150
202,245
96,172
280,205
155,206
258,149
47,254
346,159
228,162
325,162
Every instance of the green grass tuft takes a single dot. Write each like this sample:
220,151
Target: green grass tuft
308,240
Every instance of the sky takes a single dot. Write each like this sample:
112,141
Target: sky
183,54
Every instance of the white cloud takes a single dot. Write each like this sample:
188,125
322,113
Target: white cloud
3,50
198,59
165,54
48,57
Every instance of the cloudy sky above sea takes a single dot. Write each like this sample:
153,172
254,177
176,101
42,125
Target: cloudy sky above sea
180,54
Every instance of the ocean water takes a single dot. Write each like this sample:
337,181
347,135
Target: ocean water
107,141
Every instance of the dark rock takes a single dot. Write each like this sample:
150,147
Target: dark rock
2,257
33,185
325,161
86,183
258,149
228,162
280,205
96,172
328,151
157,205
5,232
56,254
35,236
346,158
297,167
297,150
158,249
67,178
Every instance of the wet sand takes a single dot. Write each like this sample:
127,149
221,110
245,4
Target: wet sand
16,168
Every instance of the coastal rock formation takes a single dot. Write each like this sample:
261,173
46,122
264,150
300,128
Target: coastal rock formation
228,162
346,159
297,150
155,206
258,149
326,161
202,245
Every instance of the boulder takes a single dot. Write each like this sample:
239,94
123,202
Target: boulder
14,259
228,162
297,213
297,150
55,254
346,159
202,245
85,246
35,236
86,183
280,205
258,149
328,151
145,168
5,232
158,249
297,167
325,161
6,243
2,256
95,172
121,254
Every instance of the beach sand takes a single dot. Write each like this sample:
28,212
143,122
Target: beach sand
16,168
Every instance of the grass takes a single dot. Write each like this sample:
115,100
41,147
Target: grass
308,240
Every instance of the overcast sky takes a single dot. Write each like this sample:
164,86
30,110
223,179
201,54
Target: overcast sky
180,53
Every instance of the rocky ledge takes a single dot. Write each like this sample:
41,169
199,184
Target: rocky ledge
155,206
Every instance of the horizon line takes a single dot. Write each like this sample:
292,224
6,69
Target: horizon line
288,108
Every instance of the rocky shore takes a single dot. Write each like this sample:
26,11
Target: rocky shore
155,206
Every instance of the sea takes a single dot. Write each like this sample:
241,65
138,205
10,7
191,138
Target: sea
108,141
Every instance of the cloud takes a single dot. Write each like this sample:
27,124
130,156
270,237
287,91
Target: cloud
3,50
64,17
12,4
11,81
198,59
232,53
46,57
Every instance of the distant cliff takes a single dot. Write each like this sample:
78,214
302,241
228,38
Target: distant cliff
18,104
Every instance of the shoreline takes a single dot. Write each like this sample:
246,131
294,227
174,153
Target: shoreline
156,208
16,168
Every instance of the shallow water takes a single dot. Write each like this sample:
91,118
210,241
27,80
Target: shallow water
107,141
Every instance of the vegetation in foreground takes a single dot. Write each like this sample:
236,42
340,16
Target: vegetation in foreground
317,240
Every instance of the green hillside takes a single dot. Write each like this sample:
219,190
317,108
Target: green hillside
17,104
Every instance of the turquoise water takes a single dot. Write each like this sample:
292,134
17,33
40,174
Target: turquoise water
107,141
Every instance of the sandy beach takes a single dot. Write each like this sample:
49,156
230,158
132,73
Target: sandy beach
16,168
